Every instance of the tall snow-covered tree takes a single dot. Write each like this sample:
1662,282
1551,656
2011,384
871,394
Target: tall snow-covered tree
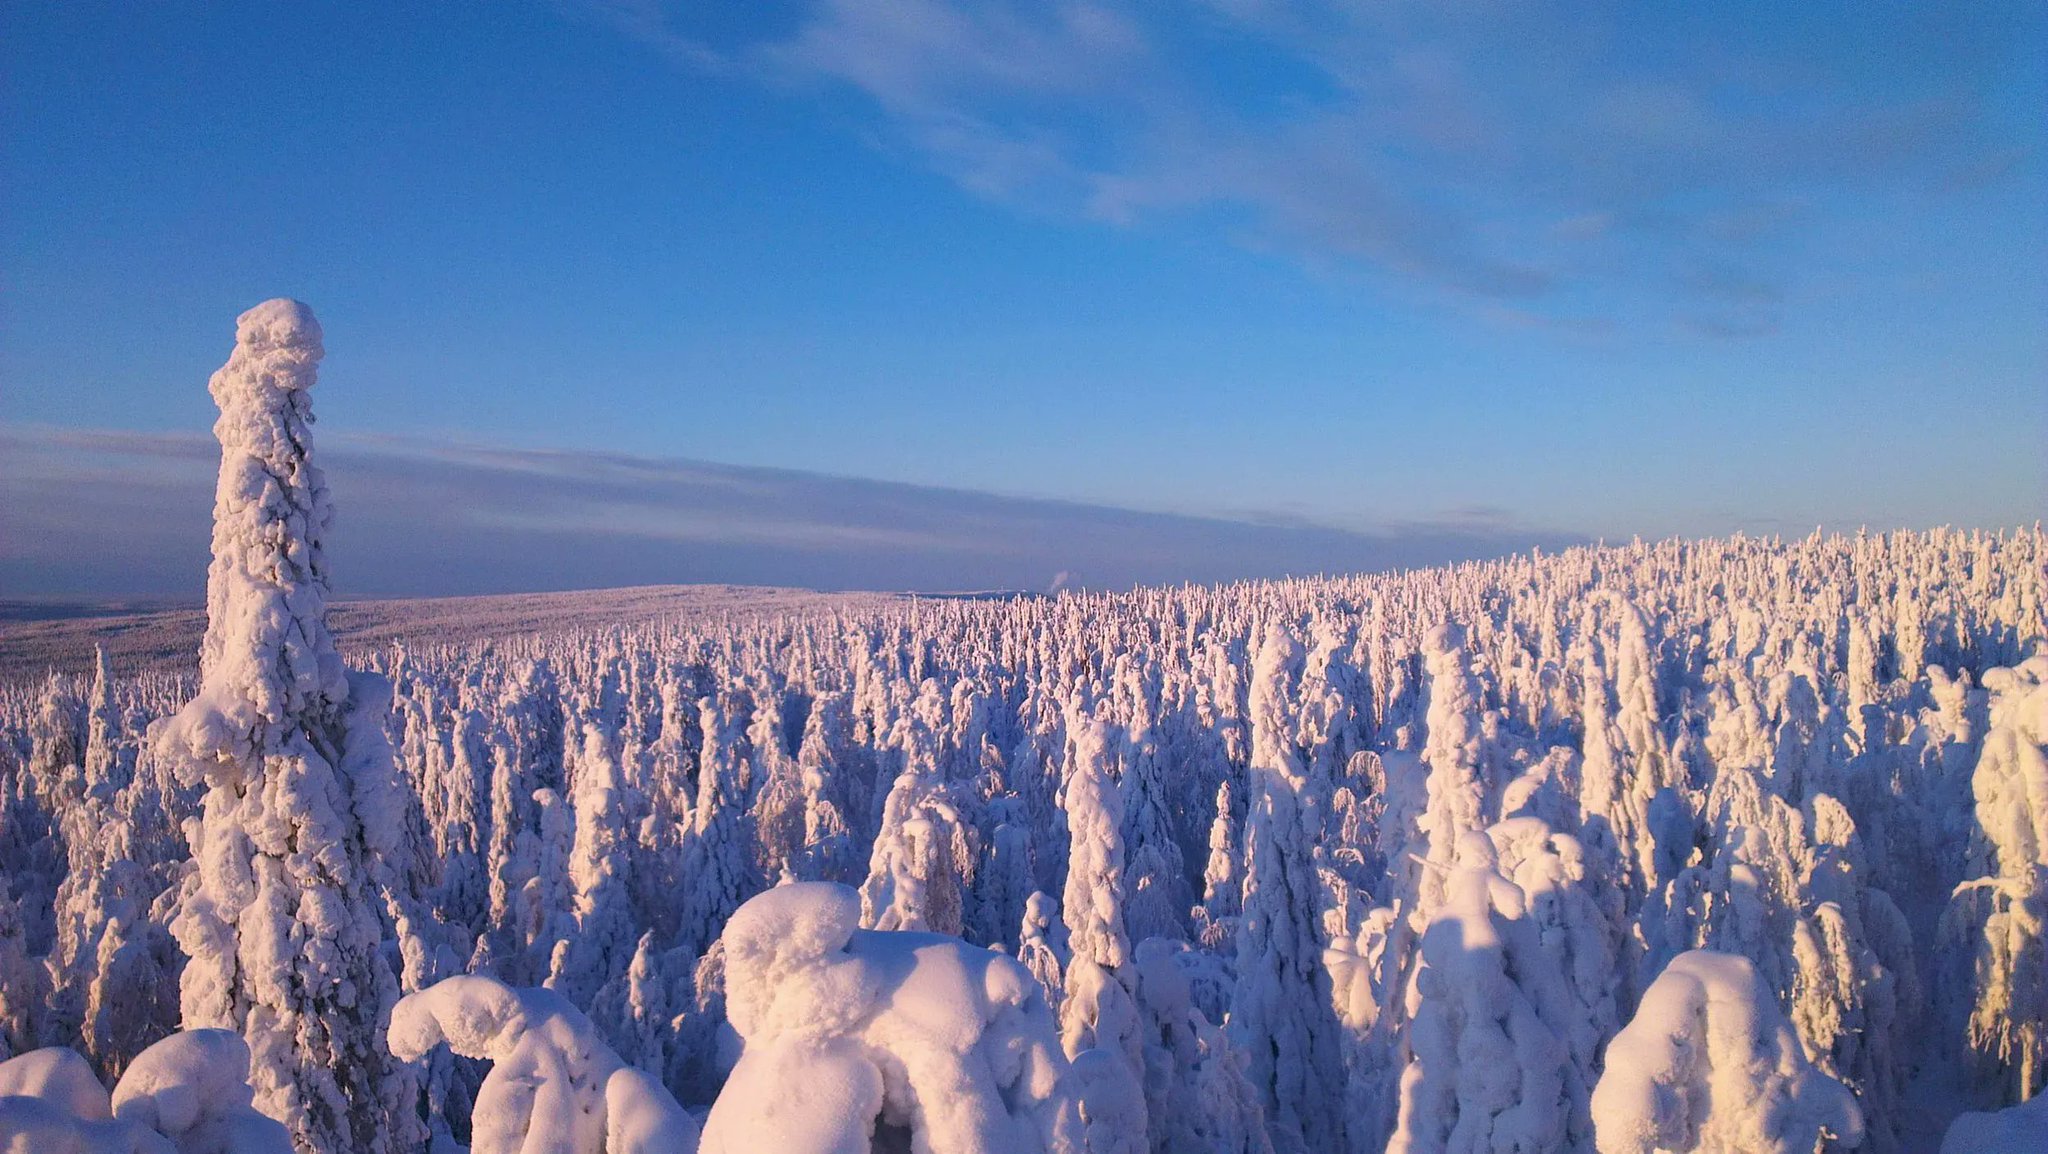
1281,1009
919,869
1487,1071
1222,883
1452,753
1996,922
1093,905
109,760
280,920
719,849
600,870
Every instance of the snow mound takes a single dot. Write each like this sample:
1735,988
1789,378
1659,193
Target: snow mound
2021,1129
40,1126
193,1088
852,1034
59,1077
188,1094
553,1086
1710,1065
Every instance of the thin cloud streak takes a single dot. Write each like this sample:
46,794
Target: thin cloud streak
96,512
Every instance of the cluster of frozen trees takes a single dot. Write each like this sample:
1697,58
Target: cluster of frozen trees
1732,845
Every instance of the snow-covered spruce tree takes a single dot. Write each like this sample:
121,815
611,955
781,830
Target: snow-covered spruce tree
919,870
279,918
51,784
1093,904
860,1039
546,915
1710,1066
526,757
1577,939
718,850
24,980
1196,1095
829,847
1041,946
109,761
113,969
1457,793
1487,1072
1157,901
554,1085
1005,881
778,790
1098,1011
1281,1012
1994,926
636,1011
600,870
1614,795
1856,998
1222,886
56,760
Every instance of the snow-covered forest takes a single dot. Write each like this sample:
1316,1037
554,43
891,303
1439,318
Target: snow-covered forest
1728,845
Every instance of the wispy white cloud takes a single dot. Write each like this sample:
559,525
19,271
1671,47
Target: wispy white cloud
1490,152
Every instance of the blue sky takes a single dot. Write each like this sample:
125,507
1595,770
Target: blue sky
1406,281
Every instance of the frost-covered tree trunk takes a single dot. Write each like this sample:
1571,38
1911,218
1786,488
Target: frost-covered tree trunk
279,919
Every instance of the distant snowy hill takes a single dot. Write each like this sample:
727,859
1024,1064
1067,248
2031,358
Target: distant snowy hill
38,637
